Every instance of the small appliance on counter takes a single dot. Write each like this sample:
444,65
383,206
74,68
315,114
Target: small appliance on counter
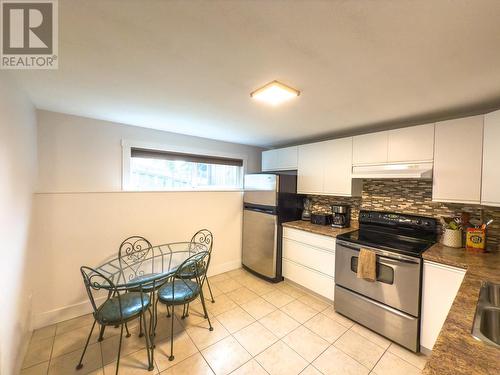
306,211
321,219
341,216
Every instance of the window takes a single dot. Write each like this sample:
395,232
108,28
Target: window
164,170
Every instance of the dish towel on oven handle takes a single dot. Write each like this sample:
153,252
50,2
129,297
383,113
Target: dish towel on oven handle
367,265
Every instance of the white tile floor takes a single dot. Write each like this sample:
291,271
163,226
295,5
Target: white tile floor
259,328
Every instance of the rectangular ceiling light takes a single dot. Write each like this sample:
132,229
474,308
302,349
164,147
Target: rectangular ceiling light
275,93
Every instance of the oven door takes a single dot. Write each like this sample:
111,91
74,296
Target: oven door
398,277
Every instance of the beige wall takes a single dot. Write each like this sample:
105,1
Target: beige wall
82,216
85,229
78,154
17,172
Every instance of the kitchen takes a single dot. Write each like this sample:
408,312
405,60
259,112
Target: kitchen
247,187
421,173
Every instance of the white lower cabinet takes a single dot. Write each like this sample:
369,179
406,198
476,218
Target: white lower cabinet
439,288
309,260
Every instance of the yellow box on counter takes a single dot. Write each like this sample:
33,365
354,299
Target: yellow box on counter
476,238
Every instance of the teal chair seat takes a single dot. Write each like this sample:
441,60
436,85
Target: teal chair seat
190,273
131,306
146,288
183,291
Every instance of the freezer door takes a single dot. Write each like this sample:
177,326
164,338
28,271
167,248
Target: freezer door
260,242
261,189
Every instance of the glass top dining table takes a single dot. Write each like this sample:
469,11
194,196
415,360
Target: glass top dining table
152,266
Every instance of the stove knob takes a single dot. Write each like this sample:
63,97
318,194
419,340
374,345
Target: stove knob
418,222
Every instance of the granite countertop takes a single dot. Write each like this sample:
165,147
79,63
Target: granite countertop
456,351
325,230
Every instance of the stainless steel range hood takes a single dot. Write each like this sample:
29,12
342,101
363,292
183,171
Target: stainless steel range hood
389,171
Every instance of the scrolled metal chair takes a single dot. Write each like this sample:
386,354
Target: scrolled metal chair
201,240
118,309
205,238
133,252
181,291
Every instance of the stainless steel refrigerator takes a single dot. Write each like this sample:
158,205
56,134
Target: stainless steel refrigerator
270,199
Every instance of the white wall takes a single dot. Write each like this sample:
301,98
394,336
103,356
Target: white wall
82,216
78,154
17,178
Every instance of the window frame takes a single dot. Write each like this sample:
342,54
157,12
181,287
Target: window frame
127,146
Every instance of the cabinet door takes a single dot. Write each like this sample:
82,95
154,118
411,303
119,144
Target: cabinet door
310,168
412,144
269,160
337,160
313,280
439,288
287,158
370,148
491,158
458,154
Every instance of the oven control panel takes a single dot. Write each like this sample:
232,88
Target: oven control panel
396,219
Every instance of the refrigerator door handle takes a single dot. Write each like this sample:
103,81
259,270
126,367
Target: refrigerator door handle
269,211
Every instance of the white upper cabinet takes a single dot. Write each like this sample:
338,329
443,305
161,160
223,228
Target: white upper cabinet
269,160
458,154
406,145
325,168
310,168
370,148
280,159
288,158
412,144
491,160
338,167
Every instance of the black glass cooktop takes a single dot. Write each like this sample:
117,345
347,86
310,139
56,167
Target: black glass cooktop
388,241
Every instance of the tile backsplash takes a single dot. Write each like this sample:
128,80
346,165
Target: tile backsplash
410,197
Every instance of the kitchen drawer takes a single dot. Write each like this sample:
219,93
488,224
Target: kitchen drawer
312,280
309,256
316,240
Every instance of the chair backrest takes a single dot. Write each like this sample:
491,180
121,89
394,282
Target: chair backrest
205,237
196,265
95,282
133,251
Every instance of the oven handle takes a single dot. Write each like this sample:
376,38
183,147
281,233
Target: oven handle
382,253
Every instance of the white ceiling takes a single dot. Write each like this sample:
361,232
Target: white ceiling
189,66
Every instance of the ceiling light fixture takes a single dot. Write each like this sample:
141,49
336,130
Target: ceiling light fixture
275,93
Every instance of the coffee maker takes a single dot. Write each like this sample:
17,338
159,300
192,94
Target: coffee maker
341,216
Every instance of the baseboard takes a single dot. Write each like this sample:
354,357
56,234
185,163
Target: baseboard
61,314
81,308
224,267
425,351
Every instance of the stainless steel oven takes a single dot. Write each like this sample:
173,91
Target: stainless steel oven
390,305
398,277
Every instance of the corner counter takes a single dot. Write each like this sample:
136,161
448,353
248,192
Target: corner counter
455,350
